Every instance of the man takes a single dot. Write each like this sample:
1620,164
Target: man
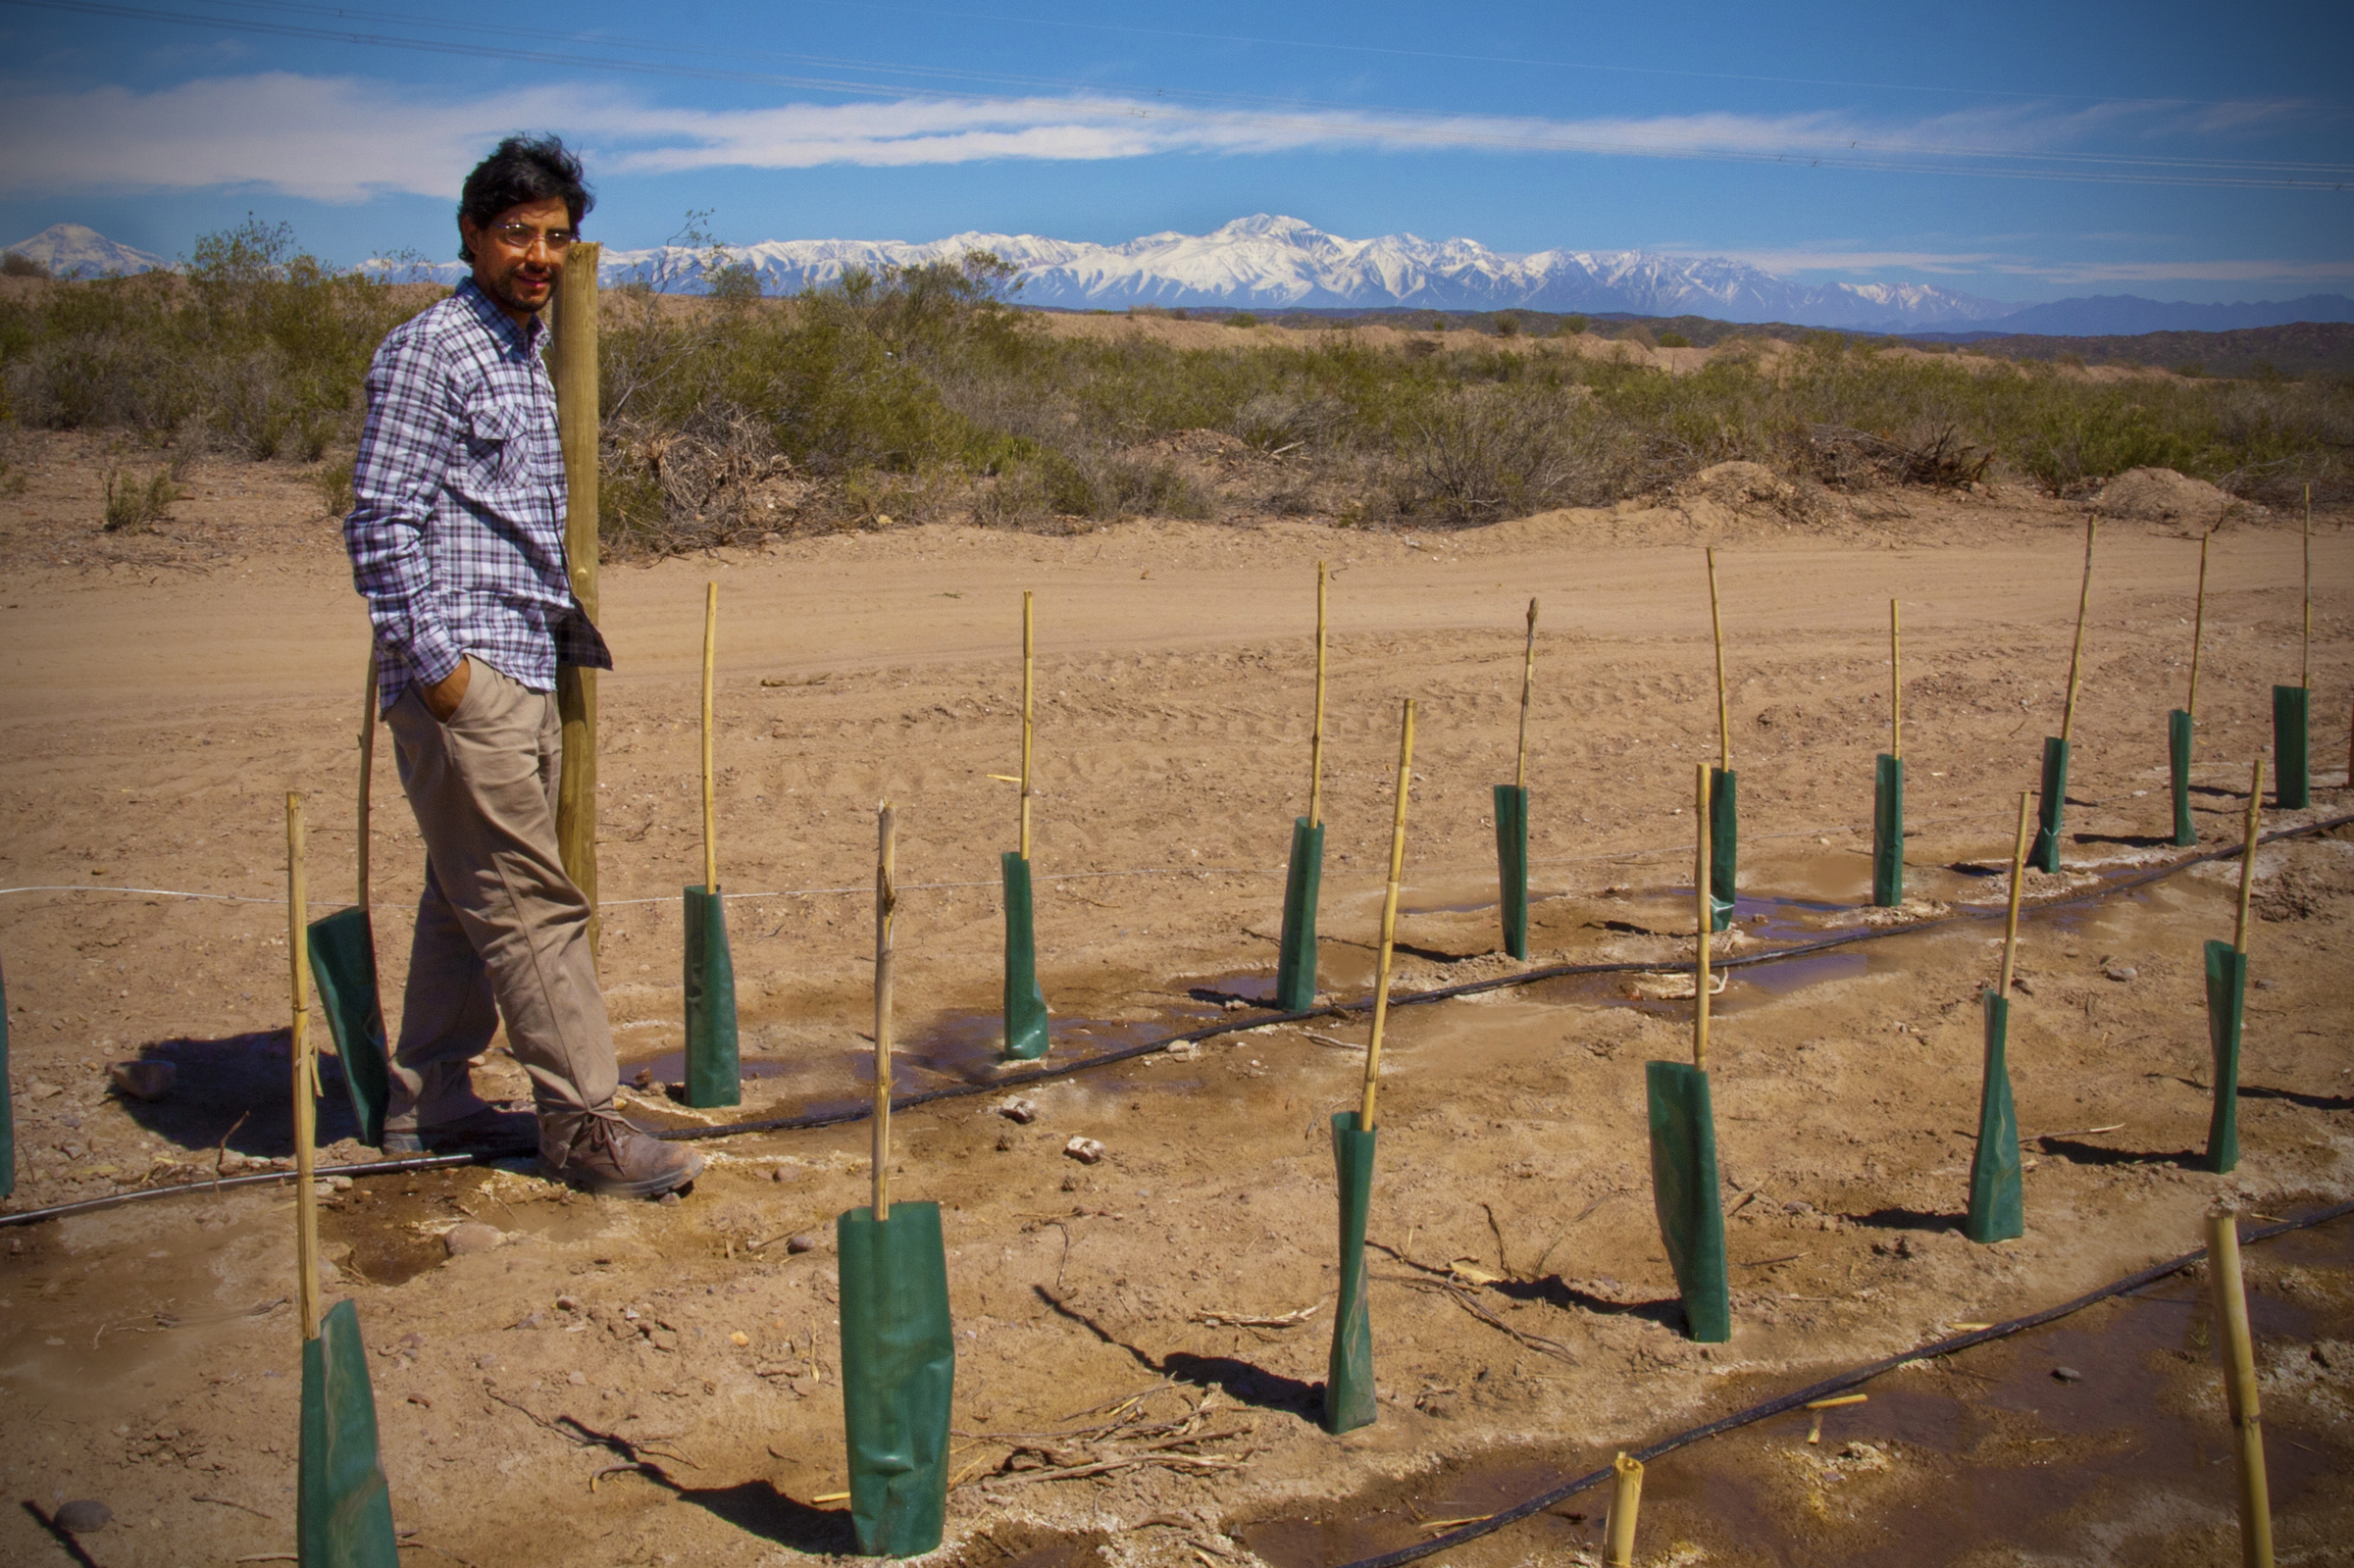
457,544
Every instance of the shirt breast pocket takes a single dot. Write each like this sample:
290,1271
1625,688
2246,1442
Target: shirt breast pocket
498,455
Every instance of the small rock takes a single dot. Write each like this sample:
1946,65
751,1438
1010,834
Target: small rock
1023,1112
36,1089
2268,985
740,1337
1005,1142
82,1516
644,1078
801,1241
2120,973
144,1081
341,1184
1086,1150
486,1360
669,1198
2068,1374
568,1303
1798,1205
471,1236
577,1378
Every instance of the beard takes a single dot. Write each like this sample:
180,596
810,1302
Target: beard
516,283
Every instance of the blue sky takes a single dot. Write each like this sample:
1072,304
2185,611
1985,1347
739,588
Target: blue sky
2021,151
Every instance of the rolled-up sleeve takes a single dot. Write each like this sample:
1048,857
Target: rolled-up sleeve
405,453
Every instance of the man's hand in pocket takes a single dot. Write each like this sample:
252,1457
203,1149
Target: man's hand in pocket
443,697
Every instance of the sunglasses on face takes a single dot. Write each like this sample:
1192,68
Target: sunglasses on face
522,236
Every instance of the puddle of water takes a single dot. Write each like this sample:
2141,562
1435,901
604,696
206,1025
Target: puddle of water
1985,1454
959,1048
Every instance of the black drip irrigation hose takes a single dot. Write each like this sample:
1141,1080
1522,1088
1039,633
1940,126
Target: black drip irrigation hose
1039,1075
1798,1398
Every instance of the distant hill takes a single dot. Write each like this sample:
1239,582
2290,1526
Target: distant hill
2129,314
2298,348
69,250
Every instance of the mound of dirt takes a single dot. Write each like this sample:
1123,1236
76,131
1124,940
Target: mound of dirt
2162,495
1737,486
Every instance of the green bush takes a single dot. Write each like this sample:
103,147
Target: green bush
917,393
1674,340
256,347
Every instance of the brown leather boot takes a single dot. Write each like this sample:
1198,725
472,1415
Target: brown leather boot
599,1151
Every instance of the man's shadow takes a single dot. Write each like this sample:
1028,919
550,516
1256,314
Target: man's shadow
235,1093
1239,1380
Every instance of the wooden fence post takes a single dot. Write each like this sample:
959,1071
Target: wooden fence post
575,370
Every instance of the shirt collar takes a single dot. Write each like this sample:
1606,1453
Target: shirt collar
524,339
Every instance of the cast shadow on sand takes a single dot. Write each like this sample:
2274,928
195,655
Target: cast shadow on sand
1239,1380
236,1093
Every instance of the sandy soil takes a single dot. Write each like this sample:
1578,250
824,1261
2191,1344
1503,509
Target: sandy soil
162,691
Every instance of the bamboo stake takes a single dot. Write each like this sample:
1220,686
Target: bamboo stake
1896,687
1029,666
2198,629
1528,678
710,818
2305,662
1707,916
887,903
306,1110
1315,739
2248,854
2018,875
1389,917
2239,1386
1626,1498
2076,656
1725,710
368,712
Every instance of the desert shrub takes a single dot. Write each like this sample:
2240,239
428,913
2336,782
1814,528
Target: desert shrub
15,264
1241,317
1674,340
132,504
256,347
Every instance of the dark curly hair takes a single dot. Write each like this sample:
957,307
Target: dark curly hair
523,169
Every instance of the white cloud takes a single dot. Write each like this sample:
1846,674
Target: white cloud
342,138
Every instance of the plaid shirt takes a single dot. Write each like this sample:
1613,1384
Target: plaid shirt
457,538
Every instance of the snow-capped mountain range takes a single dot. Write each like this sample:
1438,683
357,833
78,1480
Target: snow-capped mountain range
69,250
1271,263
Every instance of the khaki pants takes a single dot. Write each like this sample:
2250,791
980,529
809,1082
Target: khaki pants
501,931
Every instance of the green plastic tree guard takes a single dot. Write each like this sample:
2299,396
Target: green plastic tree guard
1997,1205
1684,1192
1025,1003
1512,864
1888,833
342,950
342,1508
2292,780
1296,961
2226,1006
898,1375
8,1109
2050,806
2177,766
1349,1379
712,1075
1725,844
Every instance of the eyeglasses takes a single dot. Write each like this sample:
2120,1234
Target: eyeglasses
520,236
